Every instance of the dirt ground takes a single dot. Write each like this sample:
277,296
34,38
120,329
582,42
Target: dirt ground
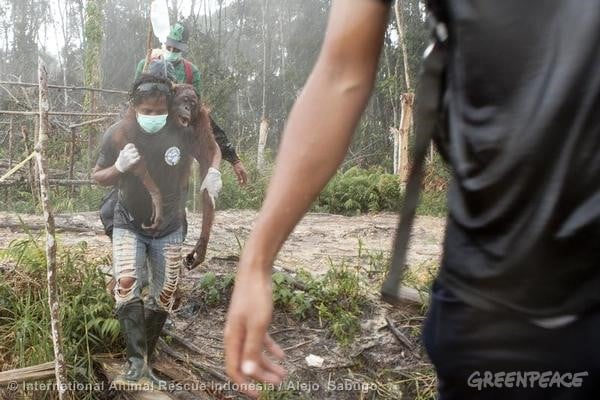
317,239
377,365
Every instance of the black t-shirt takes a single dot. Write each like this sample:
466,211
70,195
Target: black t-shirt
523,108
165,154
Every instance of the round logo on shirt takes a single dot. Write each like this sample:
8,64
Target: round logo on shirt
172,156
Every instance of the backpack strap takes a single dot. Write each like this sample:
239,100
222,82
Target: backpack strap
427,116
189,74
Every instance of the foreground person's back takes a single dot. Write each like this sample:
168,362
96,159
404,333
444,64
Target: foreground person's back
516,303
524,141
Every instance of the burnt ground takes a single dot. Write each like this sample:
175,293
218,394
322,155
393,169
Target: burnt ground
376,365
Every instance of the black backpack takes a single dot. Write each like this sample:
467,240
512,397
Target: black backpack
107,210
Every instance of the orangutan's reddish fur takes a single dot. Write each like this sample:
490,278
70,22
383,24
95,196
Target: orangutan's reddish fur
202,145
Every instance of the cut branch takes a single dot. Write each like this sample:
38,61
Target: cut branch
398,334
16,167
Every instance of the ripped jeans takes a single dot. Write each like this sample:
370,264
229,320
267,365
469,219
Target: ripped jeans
130,252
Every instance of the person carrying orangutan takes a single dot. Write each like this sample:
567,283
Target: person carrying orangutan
159,144
186,72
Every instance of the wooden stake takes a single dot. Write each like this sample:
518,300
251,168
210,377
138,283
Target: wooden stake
36,168
42,161
72,156
91,133
10,144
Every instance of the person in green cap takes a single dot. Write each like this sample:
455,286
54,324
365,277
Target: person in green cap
186,72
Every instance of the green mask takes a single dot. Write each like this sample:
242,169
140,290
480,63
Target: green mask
172,56
152,123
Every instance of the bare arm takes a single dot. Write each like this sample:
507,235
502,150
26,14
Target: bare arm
315,141
106,176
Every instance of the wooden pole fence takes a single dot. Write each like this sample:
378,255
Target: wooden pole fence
100,90
64,113
52,182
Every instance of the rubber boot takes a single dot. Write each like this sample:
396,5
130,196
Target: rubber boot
155,319
131,318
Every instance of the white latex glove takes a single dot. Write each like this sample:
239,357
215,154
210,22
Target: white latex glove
128,157
212,183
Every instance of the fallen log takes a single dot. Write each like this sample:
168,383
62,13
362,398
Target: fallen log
111,368
182,384
36,372
81,222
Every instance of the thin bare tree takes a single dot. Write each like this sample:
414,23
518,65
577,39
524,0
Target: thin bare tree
53,302
264,122
401,135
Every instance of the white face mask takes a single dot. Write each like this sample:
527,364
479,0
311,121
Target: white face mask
172,56
152,123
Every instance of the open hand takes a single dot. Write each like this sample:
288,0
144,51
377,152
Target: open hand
246,336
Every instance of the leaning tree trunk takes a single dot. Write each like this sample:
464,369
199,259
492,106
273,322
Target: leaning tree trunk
406,118
406,101
42,161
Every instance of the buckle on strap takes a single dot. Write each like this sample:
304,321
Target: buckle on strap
439,30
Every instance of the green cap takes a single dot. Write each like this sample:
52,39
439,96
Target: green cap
178,37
